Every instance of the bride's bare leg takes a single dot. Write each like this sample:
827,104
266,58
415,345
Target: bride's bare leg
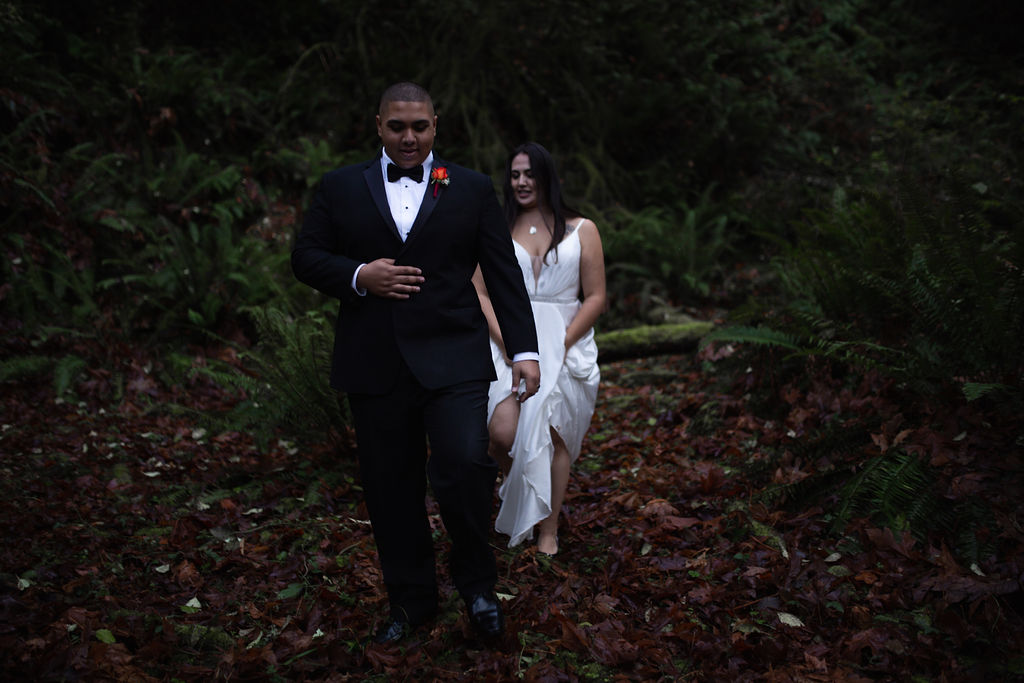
503,432
547,542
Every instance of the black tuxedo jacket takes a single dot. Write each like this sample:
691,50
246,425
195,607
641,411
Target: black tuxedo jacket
440,331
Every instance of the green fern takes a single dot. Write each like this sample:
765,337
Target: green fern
858,353
66,372
976,390
895,490
681,246
23,367
973,535
764,336
898,490
284,383
927,291
48,283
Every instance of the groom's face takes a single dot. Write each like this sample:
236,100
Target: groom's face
407,130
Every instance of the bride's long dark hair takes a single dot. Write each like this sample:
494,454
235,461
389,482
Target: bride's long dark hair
549,191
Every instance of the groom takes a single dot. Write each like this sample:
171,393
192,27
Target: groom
396,239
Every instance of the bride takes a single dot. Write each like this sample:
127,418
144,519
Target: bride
560,255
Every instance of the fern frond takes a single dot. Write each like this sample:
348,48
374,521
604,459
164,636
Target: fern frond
21,367
284,385
66,372
895,489
975,390
755,335
924,290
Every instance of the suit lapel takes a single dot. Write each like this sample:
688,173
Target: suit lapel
428,204
375,181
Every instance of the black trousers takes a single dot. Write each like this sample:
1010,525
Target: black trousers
392,431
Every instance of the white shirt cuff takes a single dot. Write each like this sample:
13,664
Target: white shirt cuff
355,276
526,355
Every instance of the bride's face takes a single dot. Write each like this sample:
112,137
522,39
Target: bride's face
524,187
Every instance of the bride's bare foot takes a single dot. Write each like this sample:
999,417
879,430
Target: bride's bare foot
547,543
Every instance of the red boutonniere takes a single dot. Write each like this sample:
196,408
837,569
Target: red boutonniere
438,177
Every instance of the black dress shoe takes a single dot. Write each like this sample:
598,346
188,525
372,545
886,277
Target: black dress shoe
391,632
485,615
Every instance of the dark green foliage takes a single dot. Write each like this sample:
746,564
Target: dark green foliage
663,254
898,490
155,159
65,372
195,265
895,490
972,526
682,126
20,367
293,357
284,383
925,289
48,285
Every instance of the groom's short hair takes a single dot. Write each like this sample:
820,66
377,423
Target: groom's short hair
405,92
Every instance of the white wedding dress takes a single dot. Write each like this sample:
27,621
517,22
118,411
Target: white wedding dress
568,389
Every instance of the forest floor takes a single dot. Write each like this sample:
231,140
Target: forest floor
138,546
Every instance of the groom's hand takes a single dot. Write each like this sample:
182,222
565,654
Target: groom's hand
383,278
528,370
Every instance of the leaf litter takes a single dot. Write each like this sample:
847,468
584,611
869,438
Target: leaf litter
142,547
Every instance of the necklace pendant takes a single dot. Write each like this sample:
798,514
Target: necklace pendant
533,229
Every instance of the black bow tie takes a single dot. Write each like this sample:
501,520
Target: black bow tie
395,172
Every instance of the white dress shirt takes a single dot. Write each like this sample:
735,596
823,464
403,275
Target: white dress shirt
405,195
404,199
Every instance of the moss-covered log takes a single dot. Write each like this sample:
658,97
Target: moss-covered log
649,340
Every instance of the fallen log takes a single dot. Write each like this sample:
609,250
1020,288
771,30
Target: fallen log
650,340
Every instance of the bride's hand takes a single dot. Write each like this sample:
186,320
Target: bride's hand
504,353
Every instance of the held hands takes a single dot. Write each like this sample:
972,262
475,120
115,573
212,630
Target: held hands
528,370
383,278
